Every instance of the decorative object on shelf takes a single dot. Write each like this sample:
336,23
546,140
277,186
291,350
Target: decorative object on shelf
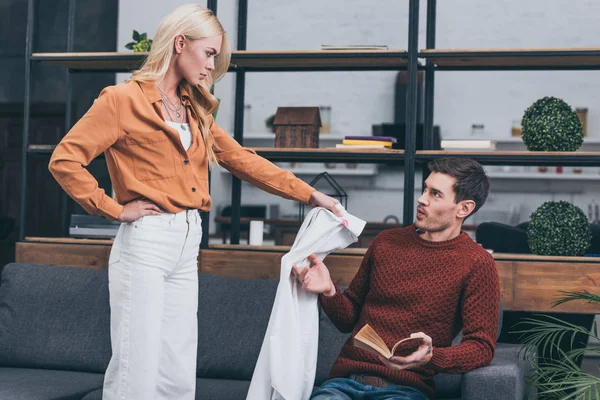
582,114
351,165
141,43
550,124
330,165
335,191
325,112
393,218
247,117
269,123
515,130
468,145
559,228
398,131
297,127
478,130
372,142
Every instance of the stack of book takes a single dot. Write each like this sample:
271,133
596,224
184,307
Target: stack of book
367,142
468,145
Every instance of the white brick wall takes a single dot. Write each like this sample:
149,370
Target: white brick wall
360,99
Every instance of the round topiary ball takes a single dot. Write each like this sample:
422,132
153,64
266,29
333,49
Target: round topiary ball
558,228
550,124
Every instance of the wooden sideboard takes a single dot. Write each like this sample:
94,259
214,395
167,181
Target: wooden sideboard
527,282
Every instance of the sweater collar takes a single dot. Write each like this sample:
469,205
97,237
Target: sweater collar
446,243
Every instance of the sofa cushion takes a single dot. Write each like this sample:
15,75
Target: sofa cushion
233,315
41,384
330,345
95,395
213,389
54,318
221,389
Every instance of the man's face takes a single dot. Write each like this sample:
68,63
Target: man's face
436,210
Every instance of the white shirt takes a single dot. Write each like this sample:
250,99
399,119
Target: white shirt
184,133
287,363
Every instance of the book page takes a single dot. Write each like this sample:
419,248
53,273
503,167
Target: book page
367,339
406,346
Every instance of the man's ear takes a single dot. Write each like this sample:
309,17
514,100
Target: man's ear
466,207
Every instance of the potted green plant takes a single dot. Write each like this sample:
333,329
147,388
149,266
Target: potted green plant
140,44
555,372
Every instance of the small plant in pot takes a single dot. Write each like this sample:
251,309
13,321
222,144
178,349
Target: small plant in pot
141,43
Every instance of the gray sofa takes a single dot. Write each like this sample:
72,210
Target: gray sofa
54,339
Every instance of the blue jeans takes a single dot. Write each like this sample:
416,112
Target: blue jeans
348,389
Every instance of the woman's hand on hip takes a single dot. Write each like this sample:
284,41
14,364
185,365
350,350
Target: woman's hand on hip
318,199
138,208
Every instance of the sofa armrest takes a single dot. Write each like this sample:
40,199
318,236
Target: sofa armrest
503,379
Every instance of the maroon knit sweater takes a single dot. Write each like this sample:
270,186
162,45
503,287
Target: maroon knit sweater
406,284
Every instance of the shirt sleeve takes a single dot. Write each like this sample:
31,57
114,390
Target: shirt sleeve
95,132
245,164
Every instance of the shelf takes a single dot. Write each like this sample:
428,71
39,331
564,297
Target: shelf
331,171
284,249
543,176
41,148
244,60
329,155
518,140
363,156
566,159
513,59
271,136
68,240
362,251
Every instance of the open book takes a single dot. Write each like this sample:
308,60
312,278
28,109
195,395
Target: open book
367,339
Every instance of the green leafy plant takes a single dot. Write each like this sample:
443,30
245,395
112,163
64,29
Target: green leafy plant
141,42
559,229
550,124
555,372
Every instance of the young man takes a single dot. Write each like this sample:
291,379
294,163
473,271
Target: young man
428,280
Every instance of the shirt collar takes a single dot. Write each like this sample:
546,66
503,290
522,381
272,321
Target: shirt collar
153,95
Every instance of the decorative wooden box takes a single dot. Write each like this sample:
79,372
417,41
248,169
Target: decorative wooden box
297,127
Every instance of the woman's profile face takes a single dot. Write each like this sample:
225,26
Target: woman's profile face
196,58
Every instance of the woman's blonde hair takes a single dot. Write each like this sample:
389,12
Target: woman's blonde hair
194,22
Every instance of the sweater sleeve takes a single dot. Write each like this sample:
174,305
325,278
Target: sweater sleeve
248,166
343,309
480,307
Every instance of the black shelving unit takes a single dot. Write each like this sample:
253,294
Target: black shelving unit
242,62
559,59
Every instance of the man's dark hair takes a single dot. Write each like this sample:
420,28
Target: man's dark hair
471,181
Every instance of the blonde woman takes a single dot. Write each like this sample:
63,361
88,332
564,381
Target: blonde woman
159,139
